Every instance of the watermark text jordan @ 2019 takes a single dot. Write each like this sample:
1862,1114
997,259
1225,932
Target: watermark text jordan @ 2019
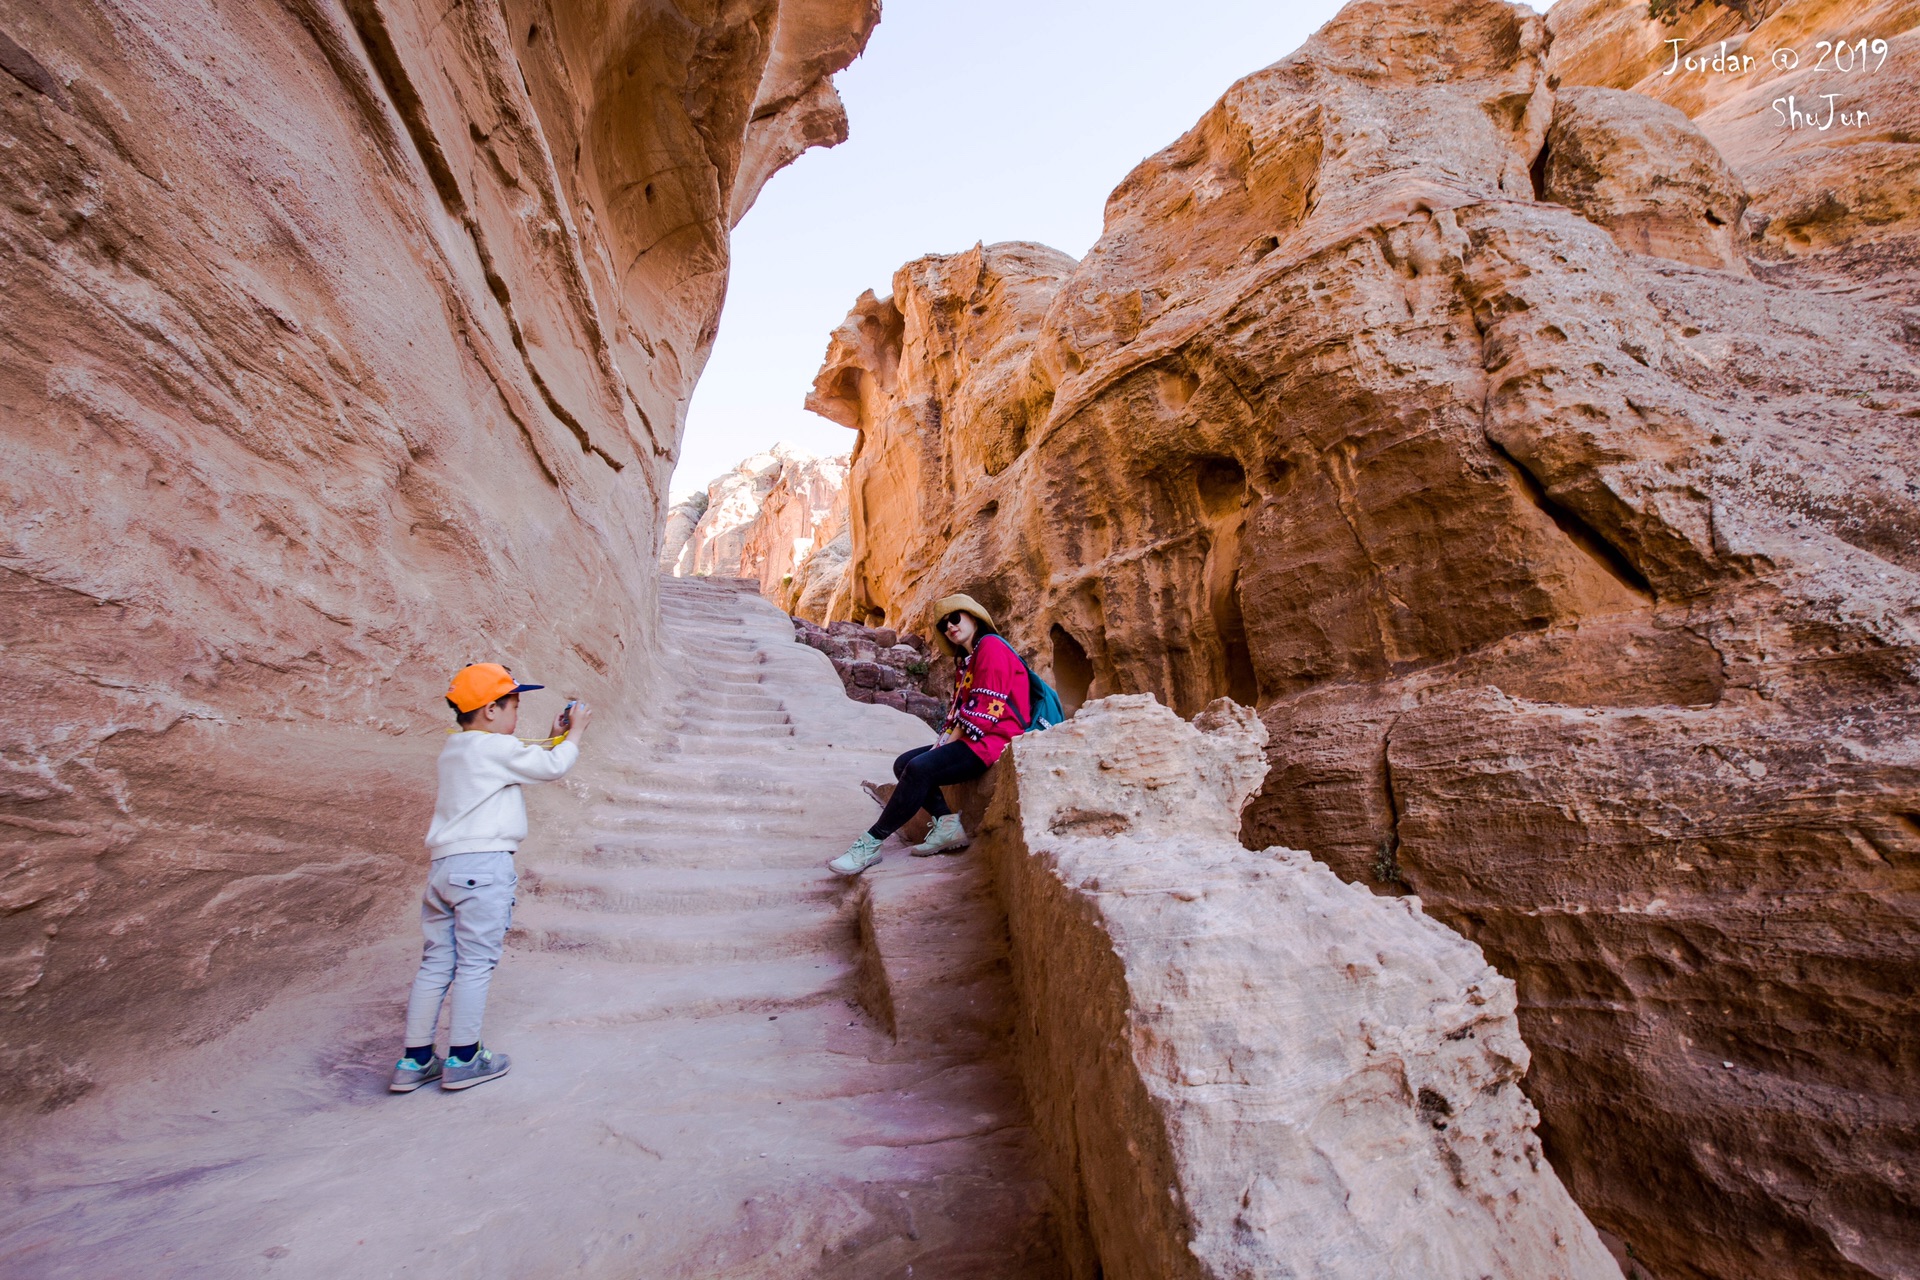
1822,105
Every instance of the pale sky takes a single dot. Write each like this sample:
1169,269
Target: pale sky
971,120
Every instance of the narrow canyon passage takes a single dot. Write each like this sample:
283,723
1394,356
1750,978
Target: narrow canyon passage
694,1090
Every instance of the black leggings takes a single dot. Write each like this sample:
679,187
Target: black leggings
922,772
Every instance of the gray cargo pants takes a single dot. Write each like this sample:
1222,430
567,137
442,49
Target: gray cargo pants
464,915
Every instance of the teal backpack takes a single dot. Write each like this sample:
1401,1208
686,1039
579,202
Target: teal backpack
1047,711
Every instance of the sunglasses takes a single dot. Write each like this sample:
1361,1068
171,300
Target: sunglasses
952,619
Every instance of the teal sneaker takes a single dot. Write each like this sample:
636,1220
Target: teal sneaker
484,1065
409,1075
860,855
944,836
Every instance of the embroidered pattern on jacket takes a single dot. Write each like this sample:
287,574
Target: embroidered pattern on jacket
977,709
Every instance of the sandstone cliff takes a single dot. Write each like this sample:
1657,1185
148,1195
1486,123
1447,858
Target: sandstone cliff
1561,528
1815,105
343,344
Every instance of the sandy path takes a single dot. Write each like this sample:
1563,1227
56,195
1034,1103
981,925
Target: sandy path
693,1092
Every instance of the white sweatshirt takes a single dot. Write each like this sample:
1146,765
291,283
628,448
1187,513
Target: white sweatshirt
480,808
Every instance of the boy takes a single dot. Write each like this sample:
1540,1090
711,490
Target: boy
478,822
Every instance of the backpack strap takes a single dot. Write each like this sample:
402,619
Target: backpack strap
1033,679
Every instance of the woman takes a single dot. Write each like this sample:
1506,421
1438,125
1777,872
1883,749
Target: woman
990,704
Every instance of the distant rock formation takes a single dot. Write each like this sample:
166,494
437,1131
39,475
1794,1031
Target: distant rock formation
1238,1065
802,514
683,517
1558,517
774,518
345,343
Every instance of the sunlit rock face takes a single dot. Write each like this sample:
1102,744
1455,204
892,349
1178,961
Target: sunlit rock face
727,508
939,381
1566,545
1815,105
343,346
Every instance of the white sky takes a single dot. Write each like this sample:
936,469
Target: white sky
971,120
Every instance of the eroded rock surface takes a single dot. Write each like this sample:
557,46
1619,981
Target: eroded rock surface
1567,553
1816,105
1640,169
1239,1065
342,345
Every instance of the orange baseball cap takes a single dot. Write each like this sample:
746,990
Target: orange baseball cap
480,683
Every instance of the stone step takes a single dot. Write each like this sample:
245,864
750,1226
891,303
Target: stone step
757,698
689,733
657,891
729,676
877,765
707,938
738,826
655,993
678,727
743,785
683,627
735,717
642,800
614,849
711,654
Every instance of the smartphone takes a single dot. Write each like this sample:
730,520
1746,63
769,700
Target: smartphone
566,714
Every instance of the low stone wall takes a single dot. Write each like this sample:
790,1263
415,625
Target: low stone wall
881,666
1238,1064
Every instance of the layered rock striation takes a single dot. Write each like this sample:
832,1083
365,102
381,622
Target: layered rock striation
1563,535
1237,1064
342,345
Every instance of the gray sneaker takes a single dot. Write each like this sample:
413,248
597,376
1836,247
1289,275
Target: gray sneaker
409,1075
484,1065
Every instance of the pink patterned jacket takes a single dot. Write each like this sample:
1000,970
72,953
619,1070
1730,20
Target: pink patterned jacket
990,698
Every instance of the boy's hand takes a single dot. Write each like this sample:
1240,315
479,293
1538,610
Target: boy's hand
582,713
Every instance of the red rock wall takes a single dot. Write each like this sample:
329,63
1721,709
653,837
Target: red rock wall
340,346
1834,196
1565,539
